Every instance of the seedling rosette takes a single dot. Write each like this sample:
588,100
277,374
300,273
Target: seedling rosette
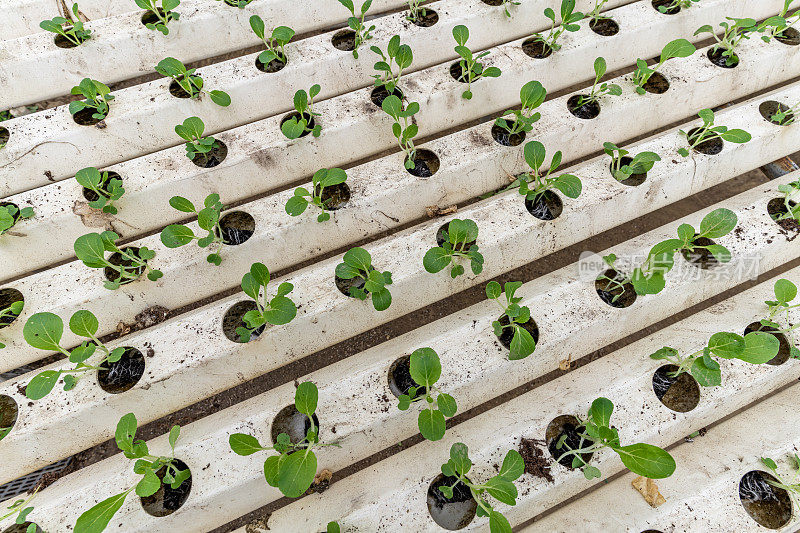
426,369
302,198
275,42
107,189
778,318
356,23
276,311
472,69
643,73
357,265
397,56
522,342
190,82
163,15
404,129
71,29
11,214
300,123
97,96
91,249
9,313
176,235
640,163
460,236
569,23
531,96
708,132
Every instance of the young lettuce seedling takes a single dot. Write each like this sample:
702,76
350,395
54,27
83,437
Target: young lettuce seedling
569,22
756,348
241,4
44,330
11,214
96,519
97,95
709,132
107,189
531,97
508,3
791,201
415,11
275,42
594,15
20,508
190,82
293,470
536,183
299,125
778,25
192,132
70,28
792,486
670,7
638,164
596,433
324,177
91,248
163,15
404,128
277,311
643,73
460,237
471,68
397,55
176,235
357,263
778,318
522,343
598,91
356,23
501,487
9,313
733,34
426,369
785,117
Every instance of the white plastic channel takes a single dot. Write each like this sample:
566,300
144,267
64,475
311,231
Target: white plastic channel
24,16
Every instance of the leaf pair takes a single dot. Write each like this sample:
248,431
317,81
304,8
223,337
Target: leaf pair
10,214
107,189
460,237
97,97
531,95
277,311
357,264
522,342
426,369
325,177
164,14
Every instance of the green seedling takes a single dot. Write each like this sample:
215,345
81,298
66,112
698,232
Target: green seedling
785,117
598,89
535,183
404,129
241,4
507,6
97,96
164,14
734,32
191,131
472,69
790,485
11,214
5,115
71,28
755,348
9,313
176,235
643,73
107,189
531,97
426,369
596,432
356,23
522,343
594,15
778,317
676,4
325,177
277,311
650,277
791,202
96,519
460,237
639,164
333,527
709,132
776,26
91,249
44,331
292,471
190,82
275,42
397,57
297,126
569,23
20,508
357,264
501,487
415,11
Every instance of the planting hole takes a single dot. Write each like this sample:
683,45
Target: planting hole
91,196
177,91
656,84
400,378
5,135
310,122
536,48
604,27
458,74
167,500
442,236
701,257
680,393
789,36
451,513
273,66
8,414
344,40
63,42
501,135
233,318
335,196
344,285
508,333
213,158
21,528
149,17
493,2
427,20
716,57
84,117
379,94
634,180
571,427
669,11
236,227
586,111
770,107
118,259
785,350
776,208
9,296
770,506
546,206
426,163
619,296
709,147
122,375
292,422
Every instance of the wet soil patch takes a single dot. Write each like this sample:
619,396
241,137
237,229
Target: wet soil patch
785,350
426,163
427,20
546,206
334,196
117,259
122,375
273,66
84,117
680,393
633,180
536,463
777,207
571,427
233,318
212,158
536,48
508,333
292,422
656,84
91,196
149,17
9,296
789,36
21,528
617,296
604,27
400,378
709,147
716,57
344,40
585,111
379,94
770,506
701,257
8,414
167,500
236,227
451,513
669,11
501,135
5,135
770,107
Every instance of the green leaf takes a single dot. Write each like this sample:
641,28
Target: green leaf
707,373
726,345
459,455
97,518
601,411
502,490
513,466
447,404
83,323
431,424
297,473
126,431
759,347
569,185
282,311
436,259
736,136
41,384
381,299
272,471
220,98
677,48
305,398
718,223
461,34
522,344
498,523
243,444
647,460
534,153
90,249
148,485
176,235
785,290
182,204
43,331
358,258
600,67
425,367
174,433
